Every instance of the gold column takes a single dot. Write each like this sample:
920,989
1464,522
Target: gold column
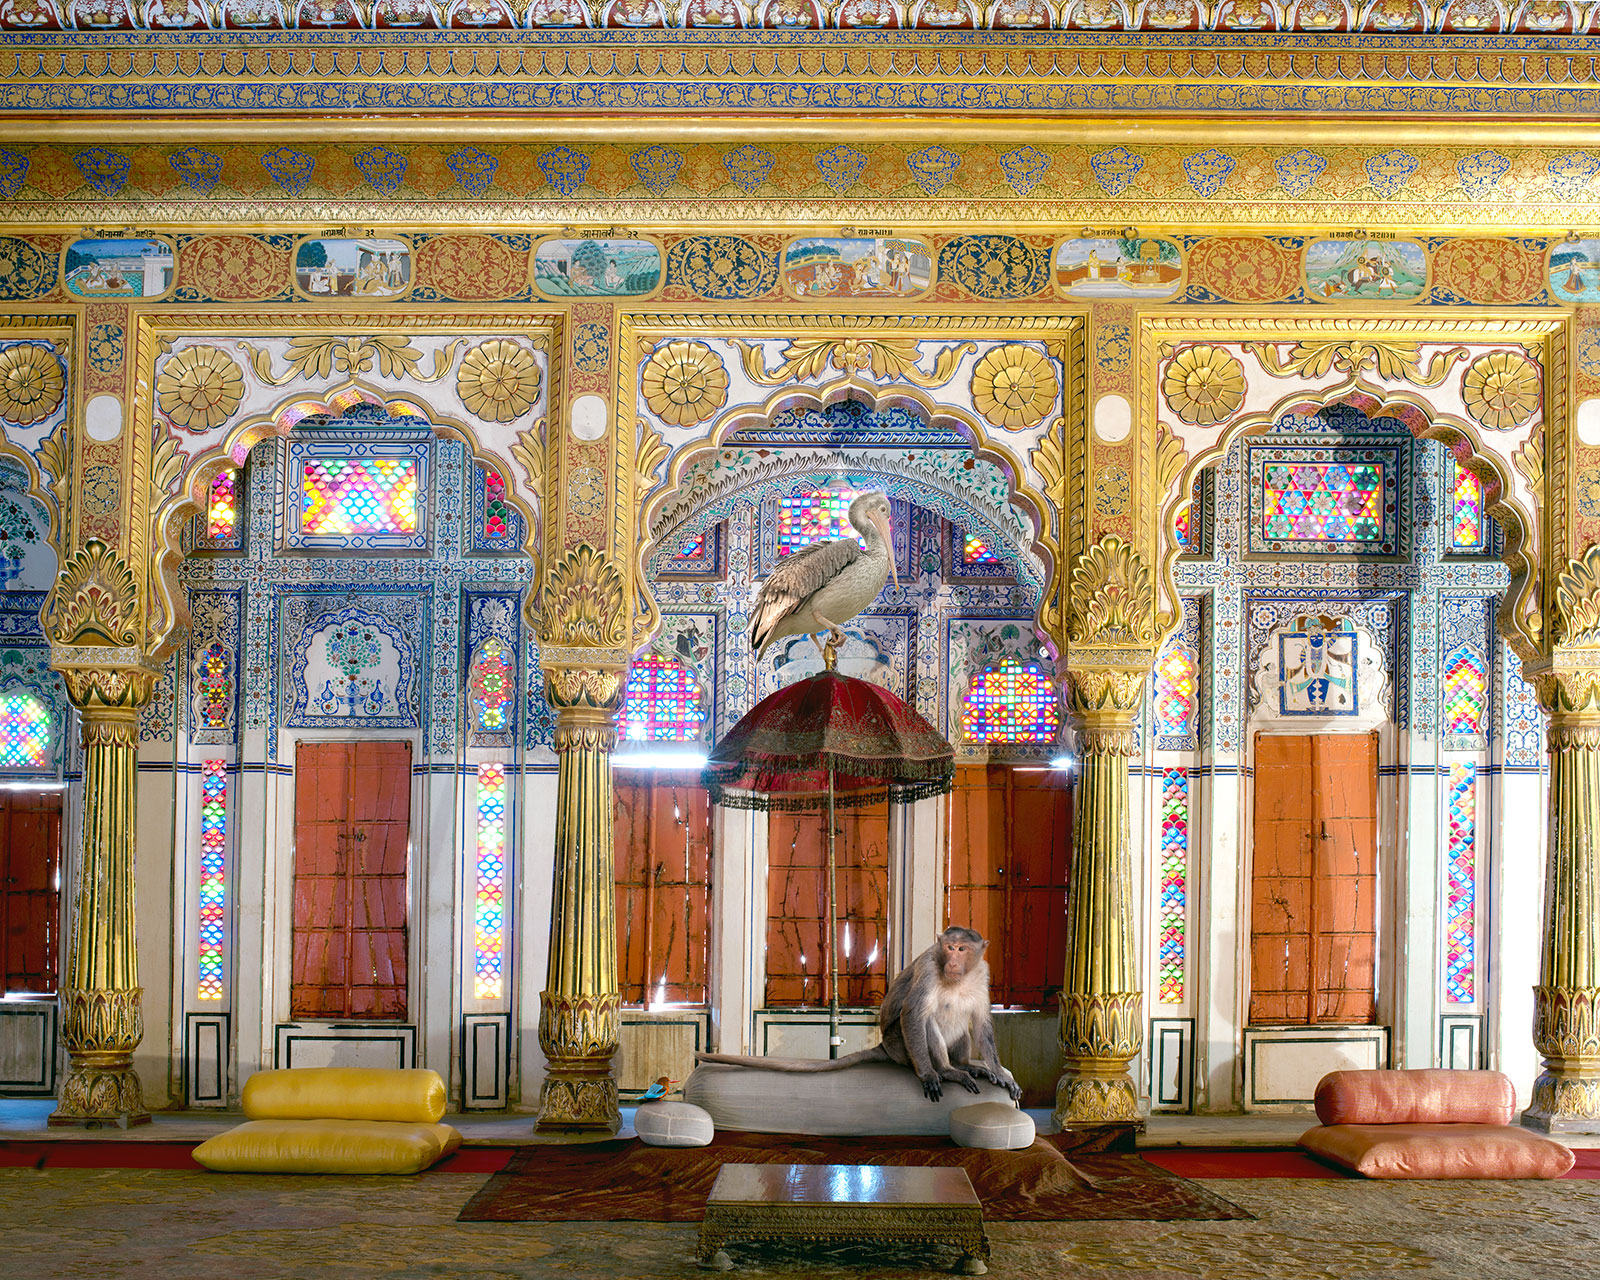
1566,1030
102,1023
1101,1004
579,1020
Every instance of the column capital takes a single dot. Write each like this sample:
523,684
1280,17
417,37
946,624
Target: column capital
105,678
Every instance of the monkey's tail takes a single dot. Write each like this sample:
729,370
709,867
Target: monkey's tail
874,1054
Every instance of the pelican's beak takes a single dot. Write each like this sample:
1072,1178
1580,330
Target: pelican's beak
881,523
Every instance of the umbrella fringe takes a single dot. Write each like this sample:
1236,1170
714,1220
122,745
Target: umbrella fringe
807,802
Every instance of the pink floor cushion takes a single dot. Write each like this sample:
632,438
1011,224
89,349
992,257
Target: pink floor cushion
1439,1150
1427,1096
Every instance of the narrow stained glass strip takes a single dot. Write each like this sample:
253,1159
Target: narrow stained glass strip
1461,907
1466,526
1174,883
1177,689
213,876
1466,685
488,924
222,512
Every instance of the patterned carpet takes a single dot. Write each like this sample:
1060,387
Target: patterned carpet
106,1224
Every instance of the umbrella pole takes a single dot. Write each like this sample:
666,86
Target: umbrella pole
834,1039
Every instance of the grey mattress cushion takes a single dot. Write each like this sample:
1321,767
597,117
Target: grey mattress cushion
871,1098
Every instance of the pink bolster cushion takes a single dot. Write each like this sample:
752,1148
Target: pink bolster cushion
1428,1096
1439,1151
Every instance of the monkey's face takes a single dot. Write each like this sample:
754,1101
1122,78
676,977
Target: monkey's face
959,956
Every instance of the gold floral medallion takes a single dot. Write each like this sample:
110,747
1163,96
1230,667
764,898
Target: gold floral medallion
499,380
1203,385
684,383
1014,387
31,383
1501,389
199,388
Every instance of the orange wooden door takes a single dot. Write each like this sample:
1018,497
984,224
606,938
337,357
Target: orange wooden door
1313,936
352,810
1009,850
663,877
797,907
30,892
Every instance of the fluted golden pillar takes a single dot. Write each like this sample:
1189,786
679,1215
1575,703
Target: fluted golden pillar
579,1019
1102,1016
101,1019
1566,1029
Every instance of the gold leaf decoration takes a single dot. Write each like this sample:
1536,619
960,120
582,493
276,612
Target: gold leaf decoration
499,380
1203,385
1014,386
652,453
584,599
32,383
1170,457
1113,600
1578,601
199,387
1501,389
884,358
55,455
528,450
1393,361
1529,461
96,600
684,383
166,463
321,356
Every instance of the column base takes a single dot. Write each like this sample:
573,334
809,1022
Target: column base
97,1094
1096,1099
578,1102
1564,1104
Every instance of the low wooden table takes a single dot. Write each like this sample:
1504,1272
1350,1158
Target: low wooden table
835,1203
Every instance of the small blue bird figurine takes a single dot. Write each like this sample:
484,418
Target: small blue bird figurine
657,1091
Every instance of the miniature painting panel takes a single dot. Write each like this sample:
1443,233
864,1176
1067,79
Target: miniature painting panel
118,268
596,268
1146,267
1389,271
1575,271
1317,673
352,268
830,267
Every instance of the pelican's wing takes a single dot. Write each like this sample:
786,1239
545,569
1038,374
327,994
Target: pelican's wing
797,578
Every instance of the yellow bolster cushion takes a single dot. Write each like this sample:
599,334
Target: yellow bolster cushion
345,1093
327,1146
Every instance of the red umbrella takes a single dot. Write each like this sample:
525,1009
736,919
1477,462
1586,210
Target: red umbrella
825,742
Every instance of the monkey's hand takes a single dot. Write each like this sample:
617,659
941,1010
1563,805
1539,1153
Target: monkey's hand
1014,1089
933,1086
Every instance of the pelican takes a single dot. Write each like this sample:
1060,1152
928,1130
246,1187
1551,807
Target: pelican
823,586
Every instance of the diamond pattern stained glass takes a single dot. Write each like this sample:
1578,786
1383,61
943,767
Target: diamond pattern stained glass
1011,701
1177,690
24,732
213,876
214,683
1323,501
975,550
488,920
813,517
493,681
359,496
1466,526
222,512
495,526
1466,684
1174,883
661,701
1461,915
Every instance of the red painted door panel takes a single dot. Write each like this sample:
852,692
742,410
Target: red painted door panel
663,885
30,895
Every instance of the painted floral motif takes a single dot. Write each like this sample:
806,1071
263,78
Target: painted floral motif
383,168
1208,170
236,268
1298,172
105,171
105,348
32,383
1390,171
1501,389
24,270
1115,169
933,167
721,267
470,268
1203,385
841,167
999,268
1571,174
200,170
474,170
748,166
1245,268
564,169
657,167
290,169
1024,168
13,173
199,388
1488,269
587,496
1481,173
684,383
591,347
1113,347
499,381
1112,489
354,649
1014,386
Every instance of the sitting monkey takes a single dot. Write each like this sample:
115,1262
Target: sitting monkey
935,1019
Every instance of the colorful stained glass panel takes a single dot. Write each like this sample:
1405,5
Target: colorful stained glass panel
214,684
24,732
1181,525
1011,701
1466,525
343,496
976,550
1461,911
222,511
662,701
488,920
1323,502
495,526
492,683
805,518
1173,907
1177,691
1466,685
213,877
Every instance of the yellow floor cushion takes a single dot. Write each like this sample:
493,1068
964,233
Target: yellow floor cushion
350,1093
328,1146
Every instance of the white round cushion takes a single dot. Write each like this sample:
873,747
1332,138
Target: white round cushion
673,1124
991,1126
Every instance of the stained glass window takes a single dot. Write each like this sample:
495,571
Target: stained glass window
1174,882
214,684
975,549
1177,691
1461,916
222,512
1010,701
359,496
691,547
492,683
662,701
488,921
1324,501
24,732
813,517
495,511
1466,684
1466,525
213,876
1181,525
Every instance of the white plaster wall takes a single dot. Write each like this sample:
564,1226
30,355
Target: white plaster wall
534,883
159,1068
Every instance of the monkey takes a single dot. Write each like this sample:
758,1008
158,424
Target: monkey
935,1019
